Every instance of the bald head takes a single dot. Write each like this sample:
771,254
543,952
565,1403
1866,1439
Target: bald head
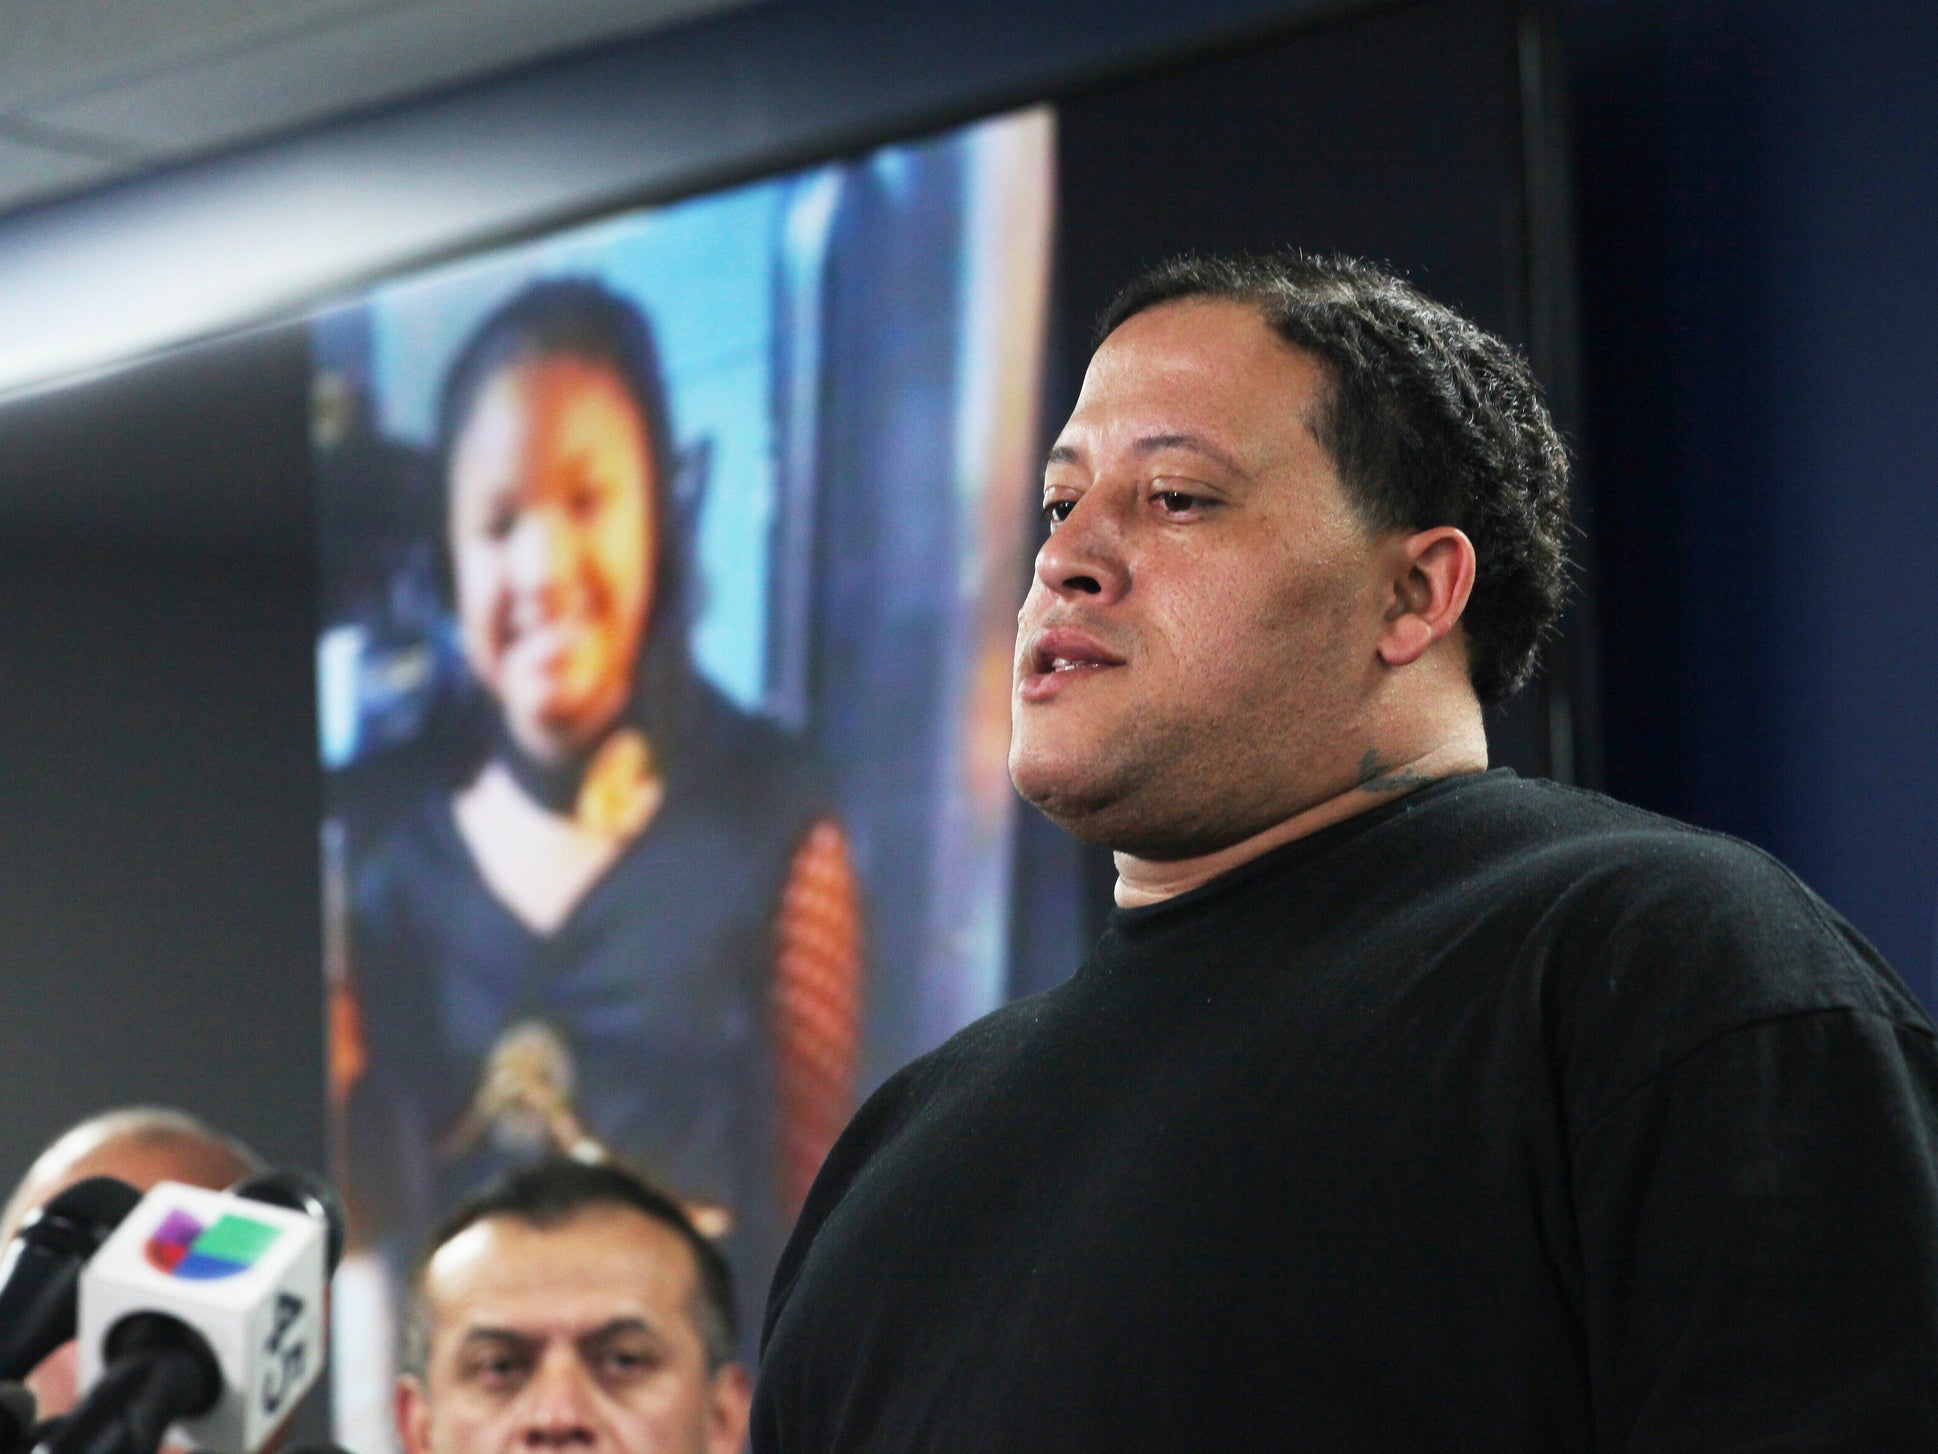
141,1145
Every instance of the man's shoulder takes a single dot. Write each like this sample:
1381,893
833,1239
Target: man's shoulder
1536,818
1605,857
1644,938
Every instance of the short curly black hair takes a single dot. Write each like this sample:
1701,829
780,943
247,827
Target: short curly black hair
1430,421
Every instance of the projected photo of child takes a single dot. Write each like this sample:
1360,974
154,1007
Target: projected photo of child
669,569
578,969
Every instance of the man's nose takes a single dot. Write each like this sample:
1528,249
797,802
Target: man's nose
559,1411
1084,556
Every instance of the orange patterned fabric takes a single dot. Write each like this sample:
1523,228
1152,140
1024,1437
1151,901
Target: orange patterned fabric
817,1005
349,1057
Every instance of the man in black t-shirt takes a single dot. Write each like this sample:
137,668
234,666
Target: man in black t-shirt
1403,1104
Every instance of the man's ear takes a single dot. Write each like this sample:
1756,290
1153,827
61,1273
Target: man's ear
728,1408
412,1410
1432,577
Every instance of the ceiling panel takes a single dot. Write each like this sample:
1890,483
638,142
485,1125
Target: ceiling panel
41,169
254,233
131,83
59,48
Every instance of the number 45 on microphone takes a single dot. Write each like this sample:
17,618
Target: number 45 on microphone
244,1274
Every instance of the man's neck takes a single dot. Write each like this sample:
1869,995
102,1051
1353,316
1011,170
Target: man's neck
1142,881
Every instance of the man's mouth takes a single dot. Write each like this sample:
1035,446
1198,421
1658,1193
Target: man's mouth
1061,655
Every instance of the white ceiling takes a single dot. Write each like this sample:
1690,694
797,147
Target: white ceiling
92,90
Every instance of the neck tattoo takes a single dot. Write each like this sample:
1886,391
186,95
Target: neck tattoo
1376,777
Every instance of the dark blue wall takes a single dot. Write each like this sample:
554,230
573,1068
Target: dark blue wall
1757,185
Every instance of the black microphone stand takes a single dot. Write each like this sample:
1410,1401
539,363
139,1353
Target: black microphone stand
159,1370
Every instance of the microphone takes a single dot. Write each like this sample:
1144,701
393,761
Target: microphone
296,1189
217,1297
17,1413
42,1270
99,1424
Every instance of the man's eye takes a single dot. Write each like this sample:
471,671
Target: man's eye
498,1372
1175,502
624,1365
1055,512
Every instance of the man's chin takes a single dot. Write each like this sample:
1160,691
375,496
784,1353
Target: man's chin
1113,805
1079,796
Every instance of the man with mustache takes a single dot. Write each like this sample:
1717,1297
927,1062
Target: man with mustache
571,1307
1403,1104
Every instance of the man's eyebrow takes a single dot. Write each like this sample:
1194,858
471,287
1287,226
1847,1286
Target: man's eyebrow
1197,444
616,1327
1157,444
498,1335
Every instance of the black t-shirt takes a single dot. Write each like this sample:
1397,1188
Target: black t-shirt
1500,1117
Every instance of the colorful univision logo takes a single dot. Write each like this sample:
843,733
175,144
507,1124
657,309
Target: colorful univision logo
184,1247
